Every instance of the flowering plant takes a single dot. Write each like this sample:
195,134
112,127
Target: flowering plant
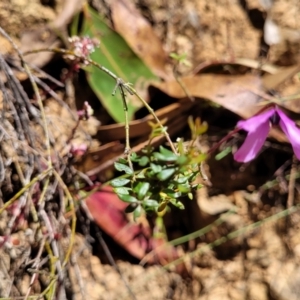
258,128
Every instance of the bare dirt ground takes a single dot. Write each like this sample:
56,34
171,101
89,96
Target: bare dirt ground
258,263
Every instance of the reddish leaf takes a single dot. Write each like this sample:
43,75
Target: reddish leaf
108,213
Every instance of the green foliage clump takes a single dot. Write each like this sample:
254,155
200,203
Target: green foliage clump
165,178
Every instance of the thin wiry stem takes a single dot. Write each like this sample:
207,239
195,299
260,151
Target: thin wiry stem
151,111
119,82
24,189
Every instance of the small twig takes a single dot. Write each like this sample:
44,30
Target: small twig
292,181
182,85
151,111
121,86
35,265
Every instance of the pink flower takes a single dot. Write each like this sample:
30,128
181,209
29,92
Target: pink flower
78,150
258,128
82,48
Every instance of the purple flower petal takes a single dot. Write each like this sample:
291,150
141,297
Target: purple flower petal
258,128
291,130
253,123
254,140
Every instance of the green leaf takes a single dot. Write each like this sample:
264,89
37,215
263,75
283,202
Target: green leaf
119,182
123,161
116,56
184,188
176,203
150,204
197,186
134,157
162,206
123,168
223,153
155,168
165,155
144,160
200,158
122,190
165,174
166,152
161,157
182,160
178,57
141,189
140,175
182,179
171,193
127,198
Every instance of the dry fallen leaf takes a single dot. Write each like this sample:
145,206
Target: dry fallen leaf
139,35
240,94
96,157
287,83
139,128
235,92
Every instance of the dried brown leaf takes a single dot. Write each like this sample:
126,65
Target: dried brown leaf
139,128
240,94
139,35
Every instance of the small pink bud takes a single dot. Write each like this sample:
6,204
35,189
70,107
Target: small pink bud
78,150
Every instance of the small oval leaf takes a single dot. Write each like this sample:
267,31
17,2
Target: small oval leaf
168,158
127,198
155,168
142,189
118,182
123,168
165,174
122,190
150,204
143,161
